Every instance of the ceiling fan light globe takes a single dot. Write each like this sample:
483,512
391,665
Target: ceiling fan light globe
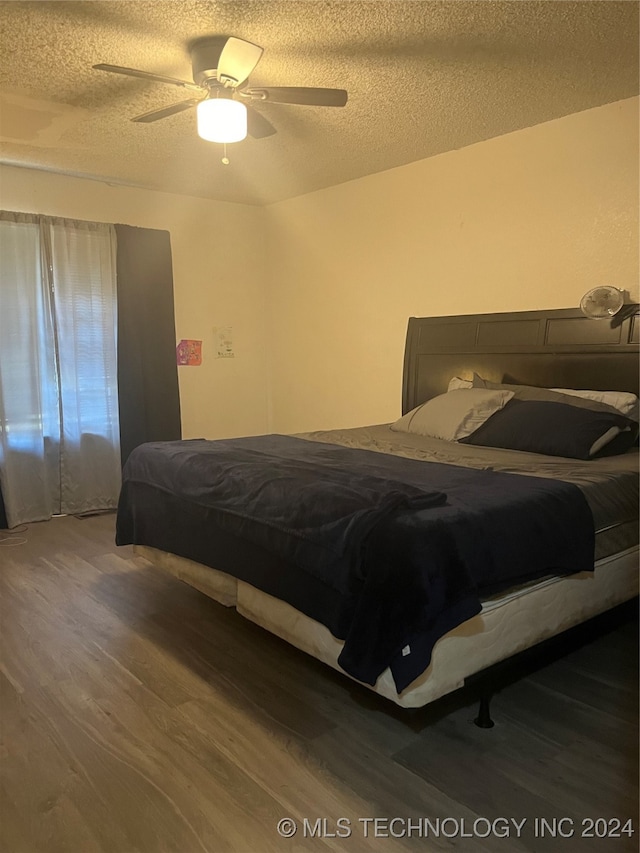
222,120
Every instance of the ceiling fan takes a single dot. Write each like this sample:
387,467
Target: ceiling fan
221,68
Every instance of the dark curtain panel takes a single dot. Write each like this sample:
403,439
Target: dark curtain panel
147,372
3,515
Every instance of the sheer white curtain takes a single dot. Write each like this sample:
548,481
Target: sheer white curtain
59,431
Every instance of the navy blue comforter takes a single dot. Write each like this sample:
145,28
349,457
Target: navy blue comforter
390,553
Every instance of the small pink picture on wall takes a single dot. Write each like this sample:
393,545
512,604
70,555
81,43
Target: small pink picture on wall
189,352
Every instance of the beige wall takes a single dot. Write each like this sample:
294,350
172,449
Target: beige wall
529,220
325,284
218,281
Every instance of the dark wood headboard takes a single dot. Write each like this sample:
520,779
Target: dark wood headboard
553,349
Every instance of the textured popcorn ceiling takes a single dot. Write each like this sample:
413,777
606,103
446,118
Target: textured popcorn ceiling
423,78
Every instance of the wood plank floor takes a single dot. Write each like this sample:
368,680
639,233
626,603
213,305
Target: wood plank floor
138,715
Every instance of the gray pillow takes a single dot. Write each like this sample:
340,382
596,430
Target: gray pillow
454,415
543,395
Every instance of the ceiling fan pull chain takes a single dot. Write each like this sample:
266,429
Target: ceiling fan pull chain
225,159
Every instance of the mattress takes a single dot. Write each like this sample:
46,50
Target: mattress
609,484
509,622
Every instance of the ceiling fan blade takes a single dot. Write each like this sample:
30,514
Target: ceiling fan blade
237,61
146,75
154,115
299,95
257,124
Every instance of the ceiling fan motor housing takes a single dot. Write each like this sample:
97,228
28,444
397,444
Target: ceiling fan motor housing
205,55
221,66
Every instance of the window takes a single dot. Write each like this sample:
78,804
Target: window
59,431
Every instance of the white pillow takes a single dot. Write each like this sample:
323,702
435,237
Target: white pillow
623,401
457,384
453,415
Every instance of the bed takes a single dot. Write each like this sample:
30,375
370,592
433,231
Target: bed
595,561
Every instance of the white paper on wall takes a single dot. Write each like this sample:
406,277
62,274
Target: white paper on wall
224,341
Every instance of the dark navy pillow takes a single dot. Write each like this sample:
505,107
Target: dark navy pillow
556,429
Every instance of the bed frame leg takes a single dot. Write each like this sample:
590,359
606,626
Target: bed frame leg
483,720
